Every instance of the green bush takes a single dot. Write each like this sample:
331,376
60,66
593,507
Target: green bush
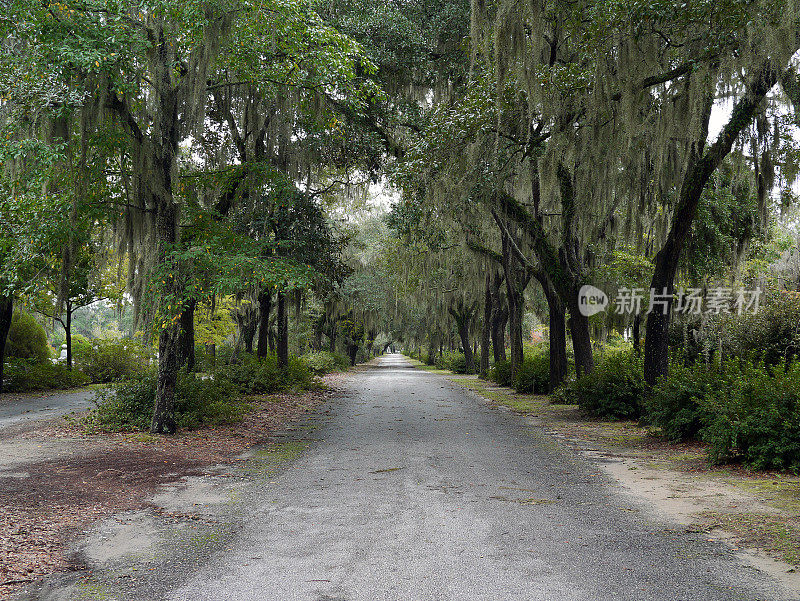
129,406
533,376
614,389
501,373
323,362
455,361
676,404
756,417
22,375
26,338
251,375
106,361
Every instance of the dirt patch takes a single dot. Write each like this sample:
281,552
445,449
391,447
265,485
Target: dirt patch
56,480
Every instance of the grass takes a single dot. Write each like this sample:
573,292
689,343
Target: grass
776,534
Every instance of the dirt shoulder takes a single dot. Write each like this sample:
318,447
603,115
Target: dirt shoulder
757,513
56,480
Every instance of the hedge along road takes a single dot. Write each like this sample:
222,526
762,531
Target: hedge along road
19,408
415,490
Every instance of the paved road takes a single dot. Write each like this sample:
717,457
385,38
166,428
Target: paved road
417,491
17,409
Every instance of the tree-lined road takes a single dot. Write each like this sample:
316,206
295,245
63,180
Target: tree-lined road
417,491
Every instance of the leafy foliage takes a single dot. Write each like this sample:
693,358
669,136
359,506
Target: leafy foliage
198,402
106,361
251,375
27,338
323,362
533,376
23,375
614,389
677,402
756,418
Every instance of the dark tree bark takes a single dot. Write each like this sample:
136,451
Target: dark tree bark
283,331
68,333
332,339
557,332
581,338
499,321
517,278
169,338
249,325
264,309
463,317
432,346
637,326
187,357
486,332
6,313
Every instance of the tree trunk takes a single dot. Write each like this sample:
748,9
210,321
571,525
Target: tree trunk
187,354
486,332
264,309
168,340
463,333
499,321
701,166
249,324
6,313
332,339
515,334
581,338
557,335
283,331
68,333
432,345
637,323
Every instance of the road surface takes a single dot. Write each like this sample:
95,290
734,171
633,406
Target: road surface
16,409
417,491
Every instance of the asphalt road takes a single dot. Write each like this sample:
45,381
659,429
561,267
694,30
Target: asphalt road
17,409
417,491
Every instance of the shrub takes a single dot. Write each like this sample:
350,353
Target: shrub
26,338
198,402
756,417
106,361
614,389
453,360
251,375
23,375
533,376
501,373
323,362
676,404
